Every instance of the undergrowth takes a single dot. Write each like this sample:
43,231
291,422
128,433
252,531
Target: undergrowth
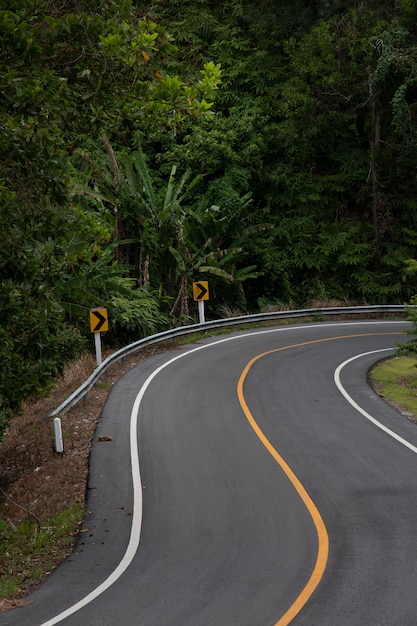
30,551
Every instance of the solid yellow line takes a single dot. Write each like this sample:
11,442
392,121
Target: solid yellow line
323,538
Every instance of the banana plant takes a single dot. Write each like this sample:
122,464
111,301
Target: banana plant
191,229
156,211
176,231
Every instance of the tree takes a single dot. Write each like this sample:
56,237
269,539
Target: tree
173,229
68,73
333,173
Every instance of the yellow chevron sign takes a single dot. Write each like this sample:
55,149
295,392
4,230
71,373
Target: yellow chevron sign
99,322
200,290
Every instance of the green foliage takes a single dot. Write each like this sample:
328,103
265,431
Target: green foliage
35,340
35,343
25,550
69,73
338,170
174,229
410,347
292,130
100,281
138,313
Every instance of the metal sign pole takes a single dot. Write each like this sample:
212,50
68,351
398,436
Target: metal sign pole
97,341
201,311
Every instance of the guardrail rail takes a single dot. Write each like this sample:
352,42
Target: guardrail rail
83,390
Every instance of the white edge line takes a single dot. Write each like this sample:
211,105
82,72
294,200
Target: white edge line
137,502
137,495
134,455
356,406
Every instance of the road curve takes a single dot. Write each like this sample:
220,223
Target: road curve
268,497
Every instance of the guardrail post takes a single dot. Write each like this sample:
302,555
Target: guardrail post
59,444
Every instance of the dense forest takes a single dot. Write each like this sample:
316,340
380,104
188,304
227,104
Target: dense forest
268,147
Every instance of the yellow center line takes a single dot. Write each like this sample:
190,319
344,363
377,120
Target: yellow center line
322,535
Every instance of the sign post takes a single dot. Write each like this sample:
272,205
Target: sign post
97,344
98,323
201,312
201,293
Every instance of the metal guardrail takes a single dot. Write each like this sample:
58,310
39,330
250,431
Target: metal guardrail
83,390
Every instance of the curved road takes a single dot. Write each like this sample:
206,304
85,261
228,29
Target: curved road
277,489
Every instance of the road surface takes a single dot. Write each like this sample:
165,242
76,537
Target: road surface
269,486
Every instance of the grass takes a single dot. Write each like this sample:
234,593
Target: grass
29,552
396,380
104,386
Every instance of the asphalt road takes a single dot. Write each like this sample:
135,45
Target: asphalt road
276,489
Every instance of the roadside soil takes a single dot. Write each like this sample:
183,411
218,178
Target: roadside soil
34,479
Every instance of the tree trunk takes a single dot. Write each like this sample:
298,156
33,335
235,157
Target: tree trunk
116,182
143,277
376,194
180,307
